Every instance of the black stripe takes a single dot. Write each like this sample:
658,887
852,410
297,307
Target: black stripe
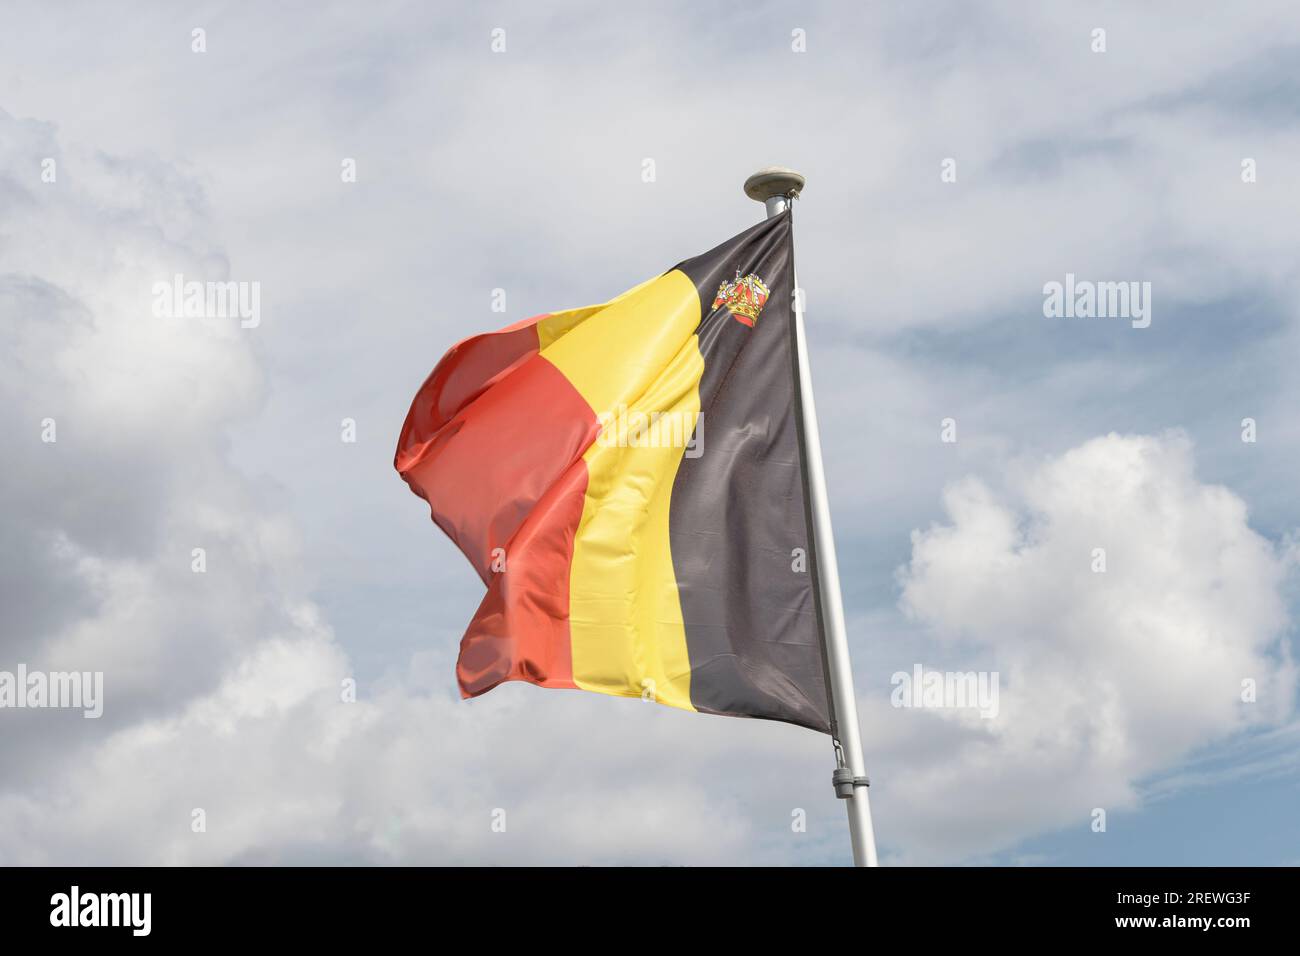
739,510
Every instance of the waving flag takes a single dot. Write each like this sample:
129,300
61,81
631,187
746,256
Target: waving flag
626,480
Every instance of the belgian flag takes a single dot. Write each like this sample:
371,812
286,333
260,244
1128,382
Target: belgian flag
626,479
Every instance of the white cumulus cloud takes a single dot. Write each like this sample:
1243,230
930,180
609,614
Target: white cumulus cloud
1106,677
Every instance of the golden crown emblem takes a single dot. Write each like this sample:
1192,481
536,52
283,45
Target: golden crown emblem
744,298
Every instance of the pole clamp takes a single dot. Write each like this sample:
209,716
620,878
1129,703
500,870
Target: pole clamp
846,784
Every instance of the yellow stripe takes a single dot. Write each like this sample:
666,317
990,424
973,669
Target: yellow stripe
636,356
557,324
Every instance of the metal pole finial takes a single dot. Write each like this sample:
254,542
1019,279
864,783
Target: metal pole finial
774,186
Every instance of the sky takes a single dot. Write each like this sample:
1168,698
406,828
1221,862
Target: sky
959,159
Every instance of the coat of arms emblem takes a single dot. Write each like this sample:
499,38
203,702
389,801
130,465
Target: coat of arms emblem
744,298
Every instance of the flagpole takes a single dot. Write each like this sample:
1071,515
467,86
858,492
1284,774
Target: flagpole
776,187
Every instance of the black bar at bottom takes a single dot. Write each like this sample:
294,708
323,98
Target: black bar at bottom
635,907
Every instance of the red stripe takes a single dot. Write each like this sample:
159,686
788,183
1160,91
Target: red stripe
521,630
469,367
504,470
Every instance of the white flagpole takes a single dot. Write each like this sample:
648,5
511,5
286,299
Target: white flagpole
776,186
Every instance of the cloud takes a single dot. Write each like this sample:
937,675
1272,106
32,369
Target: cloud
285,771
100,523
1107,678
